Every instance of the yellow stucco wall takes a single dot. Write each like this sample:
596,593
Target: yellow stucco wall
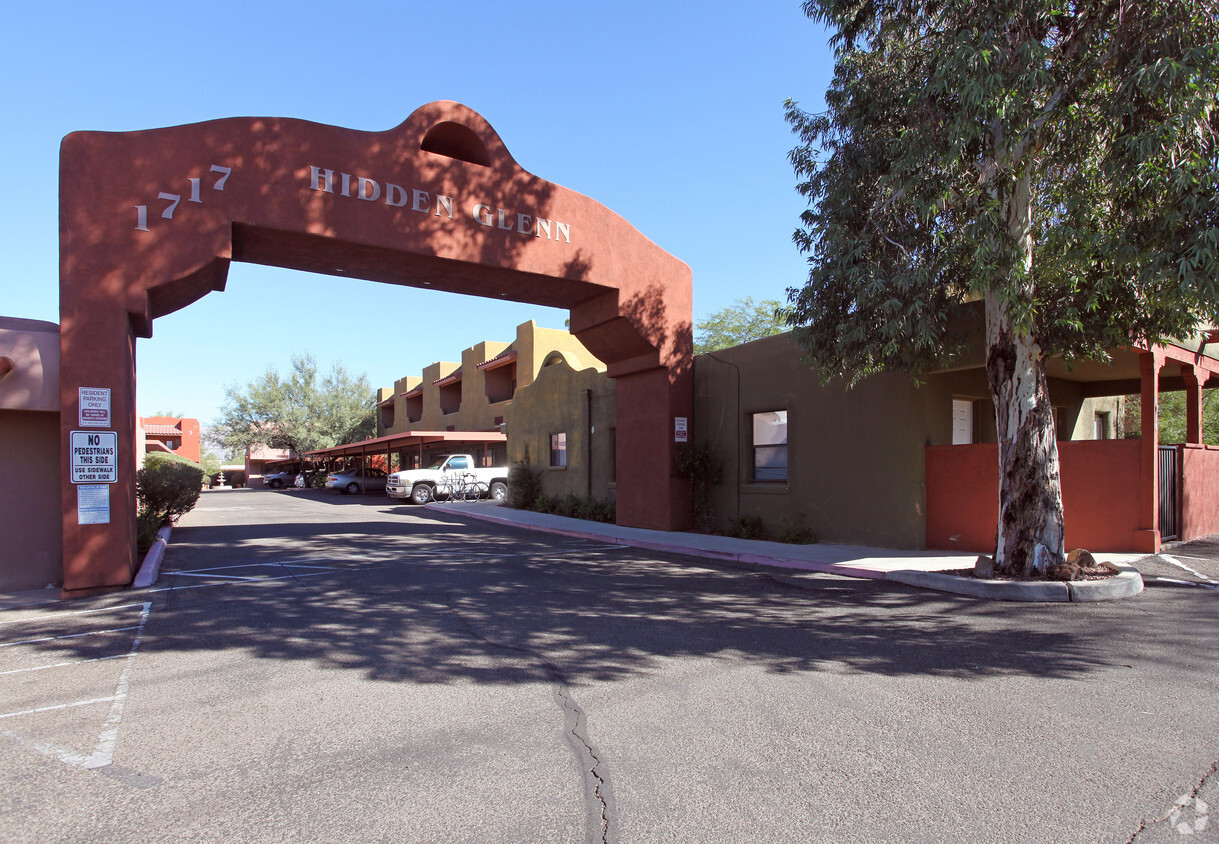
580,404
476,411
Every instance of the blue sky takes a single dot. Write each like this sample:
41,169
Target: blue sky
670,114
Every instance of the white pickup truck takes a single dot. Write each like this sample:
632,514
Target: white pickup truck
422,485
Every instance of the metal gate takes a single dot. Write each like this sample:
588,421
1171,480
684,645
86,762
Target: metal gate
1170,499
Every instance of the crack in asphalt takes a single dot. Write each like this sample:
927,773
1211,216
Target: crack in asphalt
576,730
1183,800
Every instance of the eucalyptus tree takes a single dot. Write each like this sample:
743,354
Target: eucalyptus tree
1055,159
300,411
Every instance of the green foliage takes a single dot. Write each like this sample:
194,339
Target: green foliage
575,507
1173,426
301,412
210,463
166,488
146,526
695,462
524,483
795,532
746,527
943,122
738,323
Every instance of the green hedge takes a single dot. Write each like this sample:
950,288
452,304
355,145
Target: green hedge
166,488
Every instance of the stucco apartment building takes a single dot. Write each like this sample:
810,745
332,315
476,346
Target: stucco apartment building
896,463
171,435
477,394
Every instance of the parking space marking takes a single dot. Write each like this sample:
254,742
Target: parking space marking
1211,585
1174,561
69,636
103,751
61,664
51,616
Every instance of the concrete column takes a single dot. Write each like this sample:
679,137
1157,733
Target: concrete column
1147,535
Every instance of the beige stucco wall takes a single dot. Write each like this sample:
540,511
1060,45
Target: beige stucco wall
580,403
855,456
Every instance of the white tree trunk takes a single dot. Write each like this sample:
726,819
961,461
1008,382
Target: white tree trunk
1031,532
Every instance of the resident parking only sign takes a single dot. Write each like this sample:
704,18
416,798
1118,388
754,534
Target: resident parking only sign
95,407
94,457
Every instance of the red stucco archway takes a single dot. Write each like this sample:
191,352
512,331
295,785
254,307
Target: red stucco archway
149,222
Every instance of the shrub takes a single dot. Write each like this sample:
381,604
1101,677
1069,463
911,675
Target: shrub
165,488
794,532
146,527
524,484
746,527
696,463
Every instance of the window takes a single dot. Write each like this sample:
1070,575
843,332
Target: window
962,422
770,446
558,449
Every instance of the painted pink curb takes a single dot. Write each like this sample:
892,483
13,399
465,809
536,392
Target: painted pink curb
151,566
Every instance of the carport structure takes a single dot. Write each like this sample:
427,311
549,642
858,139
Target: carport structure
476,443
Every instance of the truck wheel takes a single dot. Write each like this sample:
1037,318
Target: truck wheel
421,494
499,491
275,483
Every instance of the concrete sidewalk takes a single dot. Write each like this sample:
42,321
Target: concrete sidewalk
847,560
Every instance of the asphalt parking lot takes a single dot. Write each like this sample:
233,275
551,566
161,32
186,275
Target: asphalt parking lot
319,667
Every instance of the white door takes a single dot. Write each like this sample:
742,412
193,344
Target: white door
962,422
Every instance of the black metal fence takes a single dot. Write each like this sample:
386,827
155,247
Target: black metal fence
1170,499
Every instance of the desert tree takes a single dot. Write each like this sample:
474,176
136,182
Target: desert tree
1054,159
300,411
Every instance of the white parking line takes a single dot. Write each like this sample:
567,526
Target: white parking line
68,636
1174,561
56,706
103,752
69,612
1211,585
61,664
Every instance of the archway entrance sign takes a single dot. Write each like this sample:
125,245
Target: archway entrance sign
150,221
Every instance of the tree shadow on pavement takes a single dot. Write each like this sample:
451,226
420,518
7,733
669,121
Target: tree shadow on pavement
430,599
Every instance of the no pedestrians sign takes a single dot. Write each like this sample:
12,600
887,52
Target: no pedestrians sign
94,457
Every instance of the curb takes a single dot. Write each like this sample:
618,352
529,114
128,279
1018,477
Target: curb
1126,584
743,557
151,566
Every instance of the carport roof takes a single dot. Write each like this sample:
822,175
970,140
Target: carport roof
413,438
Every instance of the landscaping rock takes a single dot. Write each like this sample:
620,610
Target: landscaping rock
984,567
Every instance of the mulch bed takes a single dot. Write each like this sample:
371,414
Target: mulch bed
1098,571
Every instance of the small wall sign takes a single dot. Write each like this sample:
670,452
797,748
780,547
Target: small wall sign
680,429
95,407
93,504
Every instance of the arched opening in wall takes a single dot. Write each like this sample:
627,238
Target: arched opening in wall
266,315
152,221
